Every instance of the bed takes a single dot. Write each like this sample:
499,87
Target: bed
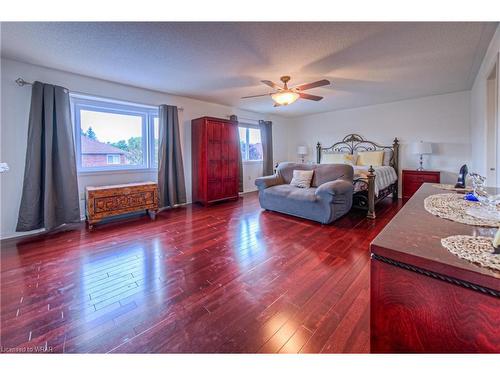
371,184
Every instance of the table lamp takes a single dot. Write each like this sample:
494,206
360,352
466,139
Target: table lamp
421,148
4,167
302,151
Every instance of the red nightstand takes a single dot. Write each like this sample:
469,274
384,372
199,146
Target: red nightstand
413,179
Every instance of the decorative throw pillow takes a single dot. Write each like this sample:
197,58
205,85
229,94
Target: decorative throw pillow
373,158
338,159
302,179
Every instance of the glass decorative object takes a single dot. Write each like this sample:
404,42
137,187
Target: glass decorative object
477,181
488,203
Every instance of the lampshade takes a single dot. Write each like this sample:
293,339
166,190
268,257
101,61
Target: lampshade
4,167
285,97
421,148
302,150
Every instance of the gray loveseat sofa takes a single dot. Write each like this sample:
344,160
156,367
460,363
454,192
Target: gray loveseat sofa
328,198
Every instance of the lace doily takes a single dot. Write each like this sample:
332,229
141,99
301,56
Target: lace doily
452,206
477,250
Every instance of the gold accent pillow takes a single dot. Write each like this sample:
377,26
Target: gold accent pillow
338,159
373,158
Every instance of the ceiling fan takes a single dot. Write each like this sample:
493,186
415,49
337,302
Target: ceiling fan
285,95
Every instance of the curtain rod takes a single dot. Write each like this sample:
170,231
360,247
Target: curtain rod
245,118
21,82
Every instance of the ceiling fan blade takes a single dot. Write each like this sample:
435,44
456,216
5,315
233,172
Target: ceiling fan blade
307,86
303,95
271,84
276,105
254,96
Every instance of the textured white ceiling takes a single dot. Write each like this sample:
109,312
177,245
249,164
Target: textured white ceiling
367,63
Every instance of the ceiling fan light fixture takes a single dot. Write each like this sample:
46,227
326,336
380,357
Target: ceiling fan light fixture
285,97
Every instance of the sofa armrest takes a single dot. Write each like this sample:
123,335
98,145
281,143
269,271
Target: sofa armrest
268,181
338,187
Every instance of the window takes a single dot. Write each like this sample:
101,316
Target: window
251,144
114,136
113,159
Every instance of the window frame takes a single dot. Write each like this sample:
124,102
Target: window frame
247,128
153,162
96,104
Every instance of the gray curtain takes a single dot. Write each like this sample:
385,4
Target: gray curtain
266,135
234,118
170,167
50,186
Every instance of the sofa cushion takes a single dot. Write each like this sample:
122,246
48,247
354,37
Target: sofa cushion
329,172
285,170
292,192
322,172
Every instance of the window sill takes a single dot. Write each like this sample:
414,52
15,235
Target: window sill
117,171
252,161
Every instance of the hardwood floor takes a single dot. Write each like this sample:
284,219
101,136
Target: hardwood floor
228,278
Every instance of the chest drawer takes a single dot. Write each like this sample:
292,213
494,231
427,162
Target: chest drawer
421,178
412,180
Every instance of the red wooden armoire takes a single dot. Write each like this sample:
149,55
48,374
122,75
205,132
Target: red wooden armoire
214,159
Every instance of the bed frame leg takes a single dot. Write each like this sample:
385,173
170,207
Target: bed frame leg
371,193
395,165
395,192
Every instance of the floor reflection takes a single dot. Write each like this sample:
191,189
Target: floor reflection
248,245
129,277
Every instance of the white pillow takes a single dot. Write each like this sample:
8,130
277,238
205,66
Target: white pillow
387,157
338,159
302,179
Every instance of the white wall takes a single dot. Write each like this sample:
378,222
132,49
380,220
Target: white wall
478,108
15,102
440,119
251,170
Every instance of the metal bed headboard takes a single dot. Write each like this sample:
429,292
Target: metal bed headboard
353,143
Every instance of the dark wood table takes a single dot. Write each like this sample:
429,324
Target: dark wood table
425,299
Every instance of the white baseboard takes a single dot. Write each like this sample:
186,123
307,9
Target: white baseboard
250,190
